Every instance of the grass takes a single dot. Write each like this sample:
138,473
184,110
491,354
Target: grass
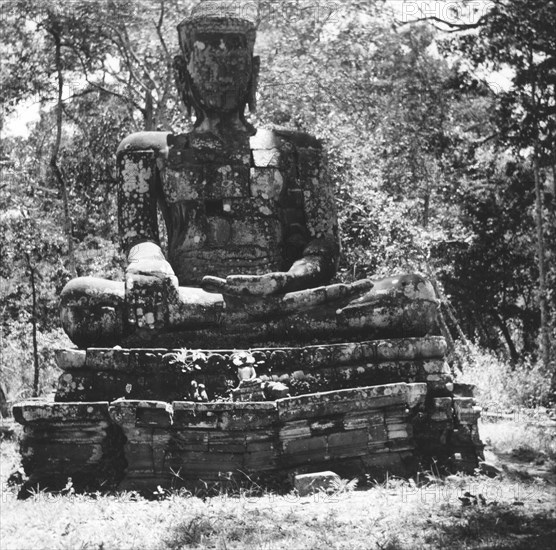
522,437
459,511
513,511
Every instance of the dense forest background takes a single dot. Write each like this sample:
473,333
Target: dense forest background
440,125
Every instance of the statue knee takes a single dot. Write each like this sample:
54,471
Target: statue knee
410,286
144,141
92,312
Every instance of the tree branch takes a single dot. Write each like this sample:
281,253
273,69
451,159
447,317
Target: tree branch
55,152
158,27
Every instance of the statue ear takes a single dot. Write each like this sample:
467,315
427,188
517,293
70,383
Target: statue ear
183,82
252,97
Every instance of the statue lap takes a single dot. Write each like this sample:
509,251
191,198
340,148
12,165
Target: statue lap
239,209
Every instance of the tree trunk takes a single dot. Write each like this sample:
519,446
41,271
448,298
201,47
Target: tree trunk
553,173
68,226
426,208
149,112
445,306
34,324
507,336
539,195
478,328
543,290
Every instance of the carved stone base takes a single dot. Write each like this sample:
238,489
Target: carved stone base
155,374
75,442
180,443
369,407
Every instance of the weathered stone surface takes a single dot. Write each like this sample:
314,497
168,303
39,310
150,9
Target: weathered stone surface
154,373
180,442
322,404
250,218
225,437
249,390
464,390
430,349
71,358
66,441
308,484
216,437
38,411
466,411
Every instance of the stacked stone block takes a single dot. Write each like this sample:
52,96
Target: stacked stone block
368,407
75,443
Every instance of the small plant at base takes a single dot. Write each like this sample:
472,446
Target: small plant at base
194,532
343,486
187,359
69,488
160,493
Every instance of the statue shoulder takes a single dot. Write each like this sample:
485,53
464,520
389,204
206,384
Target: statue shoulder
303,150
145,141
283,138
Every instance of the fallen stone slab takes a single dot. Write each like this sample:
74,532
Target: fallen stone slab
308,484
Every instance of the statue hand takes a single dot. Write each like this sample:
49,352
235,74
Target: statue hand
151,287
248,285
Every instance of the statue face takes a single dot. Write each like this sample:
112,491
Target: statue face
220,67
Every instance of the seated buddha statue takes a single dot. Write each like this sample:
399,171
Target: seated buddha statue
252,235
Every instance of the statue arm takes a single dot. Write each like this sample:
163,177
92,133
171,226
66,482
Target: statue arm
150,282
137,175
319,261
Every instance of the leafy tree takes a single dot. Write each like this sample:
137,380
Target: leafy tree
491,279
417,151
519,35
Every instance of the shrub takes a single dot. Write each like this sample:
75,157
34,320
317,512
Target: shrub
17,368
502,386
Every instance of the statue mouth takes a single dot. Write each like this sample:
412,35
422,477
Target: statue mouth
222,102
221,89
222,97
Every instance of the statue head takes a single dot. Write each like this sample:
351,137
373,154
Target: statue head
217,73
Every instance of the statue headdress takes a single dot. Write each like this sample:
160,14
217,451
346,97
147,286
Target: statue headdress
226,17
238,17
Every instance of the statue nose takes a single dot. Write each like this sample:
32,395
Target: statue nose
221,73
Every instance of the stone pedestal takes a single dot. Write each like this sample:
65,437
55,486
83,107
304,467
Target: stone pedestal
368,407
159,374
75,442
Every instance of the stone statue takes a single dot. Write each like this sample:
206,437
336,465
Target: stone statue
250,216
283,370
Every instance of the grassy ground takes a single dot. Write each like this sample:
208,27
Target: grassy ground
513,511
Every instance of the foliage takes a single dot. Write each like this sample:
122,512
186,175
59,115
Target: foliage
521,437
518,36
16,369
501,386
491,278
431,162
188,360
